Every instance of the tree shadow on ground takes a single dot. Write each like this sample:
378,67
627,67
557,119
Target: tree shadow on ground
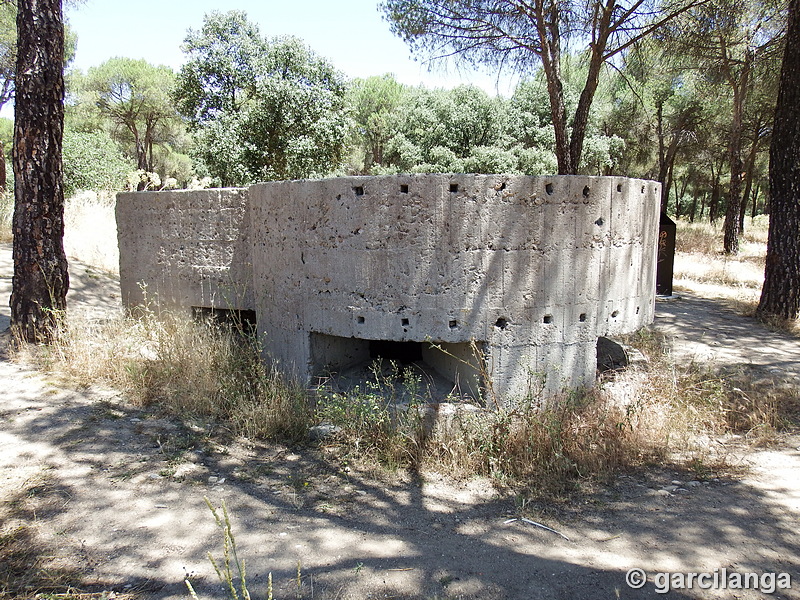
360,536
32,566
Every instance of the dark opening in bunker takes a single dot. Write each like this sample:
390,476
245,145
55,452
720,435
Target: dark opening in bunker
403,352
445,368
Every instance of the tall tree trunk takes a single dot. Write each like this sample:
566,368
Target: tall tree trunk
666,156
749,168
546,19
693,210
713,203
41,280
581,119
731,240
780,295
755,201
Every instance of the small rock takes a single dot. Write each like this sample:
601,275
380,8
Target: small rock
693,483
213,479
323,431
676,482
670,488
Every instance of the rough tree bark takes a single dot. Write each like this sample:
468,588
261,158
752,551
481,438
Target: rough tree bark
41,280
780,295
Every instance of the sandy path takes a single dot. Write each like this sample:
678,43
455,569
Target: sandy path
112,500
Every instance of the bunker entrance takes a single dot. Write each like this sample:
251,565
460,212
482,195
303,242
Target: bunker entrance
444,370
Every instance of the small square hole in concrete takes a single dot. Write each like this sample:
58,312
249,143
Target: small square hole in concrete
547,319
404,189
360,320
453,188
582,317
549,189
453,324
586,191
501,323
619,187
359,190
404,322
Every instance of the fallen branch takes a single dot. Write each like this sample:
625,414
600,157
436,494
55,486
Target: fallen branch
539,525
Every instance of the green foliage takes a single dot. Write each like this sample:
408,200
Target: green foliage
93,161
374,104
490,159
7,134
261,109
401,129
383,419
8,50
135,99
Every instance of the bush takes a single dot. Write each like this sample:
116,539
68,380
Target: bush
93,161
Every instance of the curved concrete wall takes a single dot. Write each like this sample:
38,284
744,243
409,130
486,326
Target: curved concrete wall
528,270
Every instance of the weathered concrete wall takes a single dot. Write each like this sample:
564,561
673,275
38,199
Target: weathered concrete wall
531,269
185,248
534,269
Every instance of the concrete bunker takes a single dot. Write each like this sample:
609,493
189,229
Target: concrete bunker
531,270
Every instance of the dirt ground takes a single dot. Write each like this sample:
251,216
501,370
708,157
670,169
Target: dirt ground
115,495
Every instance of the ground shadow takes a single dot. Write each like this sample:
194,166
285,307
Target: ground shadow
357,536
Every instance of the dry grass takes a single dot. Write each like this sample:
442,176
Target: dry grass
702,267
90,230
700,263
210,370
207,369
6,215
